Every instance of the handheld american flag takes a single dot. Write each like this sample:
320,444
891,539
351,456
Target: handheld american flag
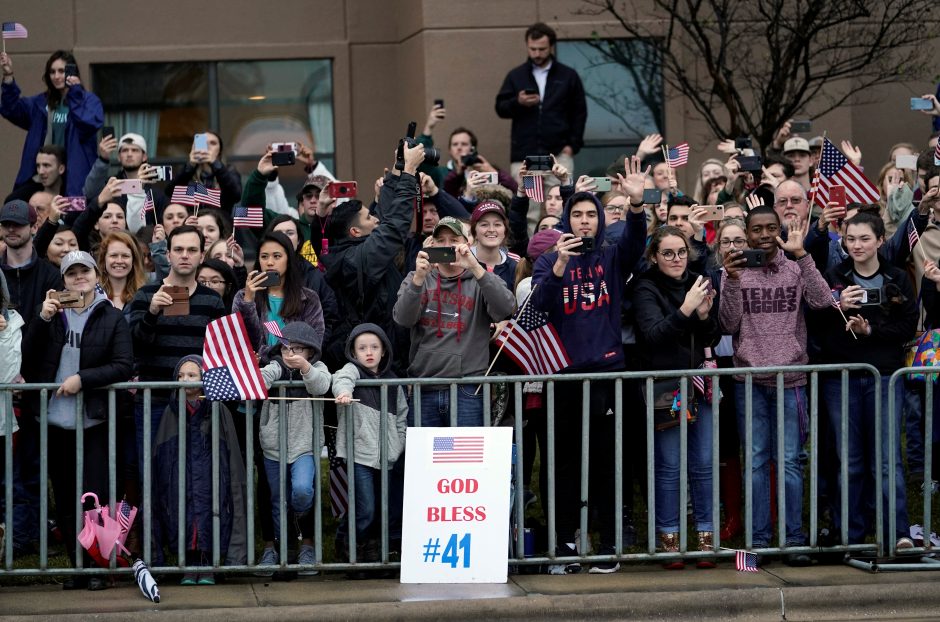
251,217
230,371
679,155
531,341
148,201
745,562
194,194
836,169
534,187
936,155
273,328
14,30
912,237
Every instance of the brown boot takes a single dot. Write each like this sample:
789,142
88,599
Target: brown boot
705,543
670,544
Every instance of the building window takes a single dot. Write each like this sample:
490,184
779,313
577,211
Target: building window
251,103
624,87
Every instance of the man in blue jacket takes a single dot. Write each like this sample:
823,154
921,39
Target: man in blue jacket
581,292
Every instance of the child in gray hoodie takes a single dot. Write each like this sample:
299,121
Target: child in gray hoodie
370,354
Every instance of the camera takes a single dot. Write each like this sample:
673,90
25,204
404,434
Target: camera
432,155
538,163
470,159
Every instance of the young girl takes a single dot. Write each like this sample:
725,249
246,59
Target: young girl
198,477
370,354
296,358
489,227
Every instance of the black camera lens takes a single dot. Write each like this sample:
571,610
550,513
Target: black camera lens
470,159
432,155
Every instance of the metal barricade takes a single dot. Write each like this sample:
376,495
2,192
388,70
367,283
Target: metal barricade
630,384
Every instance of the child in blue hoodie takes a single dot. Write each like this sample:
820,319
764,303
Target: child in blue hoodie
581,292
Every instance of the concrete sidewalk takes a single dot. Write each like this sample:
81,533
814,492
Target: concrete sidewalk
638,592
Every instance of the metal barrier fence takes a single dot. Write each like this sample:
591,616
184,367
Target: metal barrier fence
513,385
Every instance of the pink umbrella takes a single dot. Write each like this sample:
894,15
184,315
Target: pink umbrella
101,533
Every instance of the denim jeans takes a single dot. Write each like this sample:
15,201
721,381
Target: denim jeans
435,407
699,452
367,485
764,447
860,454
301,487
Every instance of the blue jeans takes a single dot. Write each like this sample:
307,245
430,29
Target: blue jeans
367,484
860,454
435,407
764,446
699,451
301,486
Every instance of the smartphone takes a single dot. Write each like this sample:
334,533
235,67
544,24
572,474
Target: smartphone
538,163
201,142
284,147
837,195
908,162
283,158
107,130
919,103
713,212
801,127
531,91
343,189
754,258
742,142
273,278
750,163
441,254
164,172
130,186
587,245
491,178
71,69
652,196
180,296
870,296
438,103
69,300
76,204
602,183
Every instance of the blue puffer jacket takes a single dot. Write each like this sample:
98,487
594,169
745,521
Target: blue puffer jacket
86,116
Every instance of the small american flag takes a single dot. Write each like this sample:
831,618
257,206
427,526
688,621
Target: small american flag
457,450
745,562
679,155
534,187
251,217
912,237
837,300
273,328
230,371
124,515
936,155
14,30
194,194
148,201
532,342
835,169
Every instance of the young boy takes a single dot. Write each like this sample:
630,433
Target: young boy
198,476
297,358
370,354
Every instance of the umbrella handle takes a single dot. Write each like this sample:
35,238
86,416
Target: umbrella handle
91,494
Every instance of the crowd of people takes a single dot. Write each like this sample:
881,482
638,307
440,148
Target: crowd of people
104,281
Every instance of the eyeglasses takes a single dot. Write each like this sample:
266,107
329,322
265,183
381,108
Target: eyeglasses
792,201
613,209
671,255
211,282
736,242
297,349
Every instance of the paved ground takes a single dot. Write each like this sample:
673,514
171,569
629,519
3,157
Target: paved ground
638,592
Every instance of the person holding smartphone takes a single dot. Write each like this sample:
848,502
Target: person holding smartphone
877,330
205,166
763,309
65,115
275,292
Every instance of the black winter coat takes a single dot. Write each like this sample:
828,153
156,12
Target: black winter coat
107,355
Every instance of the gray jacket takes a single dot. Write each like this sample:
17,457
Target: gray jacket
301,415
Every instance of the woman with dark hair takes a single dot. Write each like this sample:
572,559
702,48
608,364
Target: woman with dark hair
275,292
66,115
220,278
214,225
205,166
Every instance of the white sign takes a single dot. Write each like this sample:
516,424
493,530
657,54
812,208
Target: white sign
456,522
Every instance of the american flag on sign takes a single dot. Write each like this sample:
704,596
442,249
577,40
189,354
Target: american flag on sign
678,155
745,562
14,30
194,194
457,450
532,342
912,237
835,169
230,371
252,217
534,187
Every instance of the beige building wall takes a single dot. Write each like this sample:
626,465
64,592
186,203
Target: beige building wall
391,59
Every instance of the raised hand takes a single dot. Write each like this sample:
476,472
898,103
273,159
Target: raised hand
633,184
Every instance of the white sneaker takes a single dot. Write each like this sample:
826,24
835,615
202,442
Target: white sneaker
268,558
306,557
565,550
